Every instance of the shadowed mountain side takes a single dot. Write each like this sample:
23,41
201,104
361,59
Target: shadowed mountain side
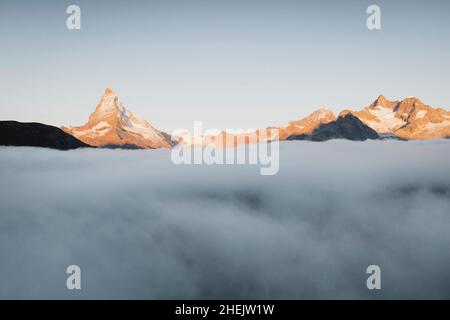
32,134
345,127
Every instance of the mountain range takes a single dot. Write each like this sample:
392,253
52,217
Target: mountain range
409,118
111,125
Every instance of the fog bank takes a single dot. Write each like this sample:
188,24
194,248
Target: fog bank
141,227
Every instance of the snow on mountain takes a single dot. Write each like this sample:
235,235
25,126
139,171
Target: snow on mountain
111,125
409,118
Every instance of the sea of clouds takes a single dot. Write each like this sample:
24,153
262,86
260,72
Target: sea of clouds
141,227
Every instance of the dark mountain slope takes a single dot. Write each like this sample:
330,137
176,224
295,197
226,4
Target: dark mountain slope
13,133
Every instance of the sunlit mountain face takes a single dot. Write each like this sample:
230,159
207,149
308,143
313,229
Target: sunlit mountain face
409,118
112,125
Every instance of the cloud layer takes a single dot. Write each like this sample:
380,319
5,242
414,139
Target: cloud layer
141,227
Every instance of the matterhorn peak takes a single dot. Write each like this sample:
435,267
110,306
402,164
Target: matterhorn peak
109,104
109,91
111,124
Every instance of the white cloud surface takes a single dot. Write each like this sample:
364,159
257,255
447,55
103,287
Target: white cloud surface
141,227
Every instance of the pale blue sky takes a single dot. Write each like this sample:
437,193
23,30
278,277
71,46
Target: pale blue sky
229,63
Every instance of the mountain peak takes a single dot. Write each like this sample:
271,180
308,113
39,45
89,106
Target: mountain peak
382,101
322,113
345,126
412,100
408,118
111,124
109,91
324,110
109,103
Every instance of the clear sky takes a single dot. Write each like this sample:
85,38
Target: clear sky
228,63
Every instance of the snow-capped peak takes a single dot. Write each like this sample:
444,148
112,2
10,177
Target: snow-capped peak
111,124
109,103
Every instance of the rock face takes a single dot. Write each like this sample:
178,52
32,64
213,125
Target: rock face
111,125
13,133
345,127
408,119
